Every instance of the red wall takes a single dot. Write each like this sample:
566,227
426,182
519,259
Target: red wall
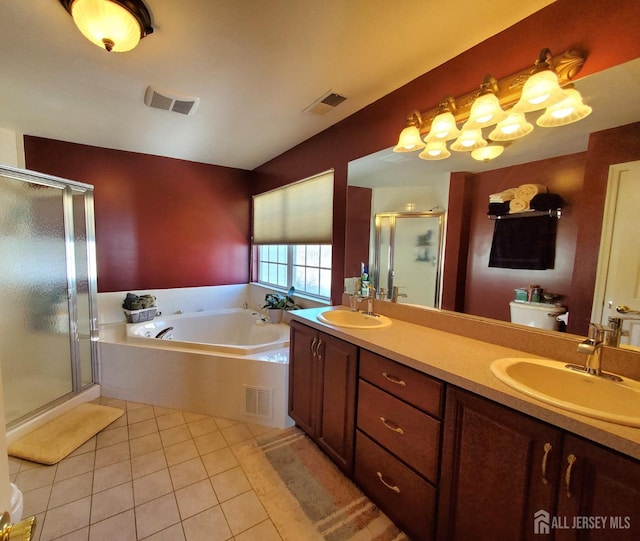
489,290
160,222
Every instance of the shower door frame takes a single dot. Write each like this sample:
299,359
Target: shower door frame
69,188
393,217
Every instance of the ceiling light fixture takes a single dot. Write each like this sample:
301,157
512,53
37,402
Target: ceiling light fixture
115,25
502,104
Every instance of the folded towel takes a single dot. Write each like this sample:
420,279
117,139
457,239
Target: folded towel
529,191
518,205
524,243
502,197
546,201
498,209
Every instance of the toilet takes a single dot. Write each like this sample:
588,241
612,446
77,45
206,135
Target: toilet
536,314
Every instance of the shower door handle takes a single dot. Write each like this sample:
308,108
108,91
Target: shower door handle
74,331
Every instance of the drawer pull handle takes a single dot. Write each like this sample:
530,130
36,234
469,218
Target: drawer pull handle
567,476
394,379
394,488
547,450
391,426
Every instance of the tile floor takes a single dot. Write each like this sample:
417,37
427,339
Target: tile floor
155,474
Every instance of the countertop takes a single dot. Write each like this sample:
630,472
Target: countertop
465,362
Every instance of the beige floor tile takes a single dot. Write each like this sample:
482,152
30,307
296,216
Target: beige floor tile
37,477
111,437
173,533
120,527
66,518
219,461
71,489
230,483
79,535
259,430
171,420
36,501
111,502
156,515
75,465
129,405
244,448
148,463
145,444
236,433
174,435
14,465
210,442
152,486
160,411
243,512
112,454
87,446
113,402
224,423
180,452
203,426
210,525
140,414
195,498
189,416
187,473
265,531
111,476
143,428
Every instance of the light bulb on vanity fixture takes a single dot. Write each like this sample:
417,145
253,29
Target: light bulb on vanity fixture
410,138
501,104
115,25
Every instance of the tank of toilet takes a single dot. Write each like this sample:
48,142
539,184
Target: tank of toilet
536,314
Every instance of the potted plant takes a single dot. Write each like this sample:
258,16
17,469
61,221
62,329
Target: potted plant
275,304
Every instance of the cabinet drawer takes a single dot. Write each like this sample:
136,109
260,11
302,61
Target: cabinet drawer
410,434
403,495
406,383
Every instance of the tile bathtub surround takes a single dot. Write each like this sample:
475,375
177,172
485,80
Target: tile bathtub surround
160,475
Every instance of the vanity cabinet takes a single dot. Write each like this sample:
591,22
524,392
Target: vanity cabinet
398,442
322,391
501,467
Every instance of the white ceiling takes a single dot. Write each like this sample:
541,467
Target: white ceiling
254,65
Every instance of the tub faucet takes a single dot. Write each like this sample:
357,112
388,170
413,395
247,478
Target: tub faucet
396,294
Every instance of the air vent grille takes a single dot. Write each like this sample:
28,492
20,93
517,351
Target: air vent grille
168,100
325,103
258,401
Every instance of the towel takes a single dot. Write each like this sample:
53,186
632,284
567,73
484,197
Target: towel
523,243
498,209
502,197
529,191
546,201
518,205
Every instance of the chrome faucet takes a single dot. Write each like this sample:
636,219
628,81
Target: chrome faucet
592,348
370,298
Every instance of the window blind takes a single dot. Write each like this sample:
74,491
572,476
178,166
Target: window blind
300,213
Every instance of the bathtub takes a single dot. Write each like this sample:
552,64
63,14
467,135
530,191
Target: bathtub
225,364
235,331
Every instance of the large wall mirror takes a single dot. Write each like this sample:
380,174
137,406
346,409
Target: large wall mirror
553,156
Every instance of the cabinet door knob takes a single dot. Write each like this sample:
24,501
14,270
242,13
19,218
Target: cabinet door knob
571,459
394,379
394,488
391,426
547,450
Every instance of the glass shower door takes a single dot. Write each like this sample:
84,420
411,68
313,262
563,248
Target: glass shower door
45,260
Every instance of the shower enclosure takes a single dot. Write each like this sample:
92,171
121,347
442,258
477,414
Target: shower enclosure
408,255
48,293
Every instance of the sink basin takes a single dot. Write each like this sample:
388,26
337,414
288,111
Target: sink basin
354,320
579,392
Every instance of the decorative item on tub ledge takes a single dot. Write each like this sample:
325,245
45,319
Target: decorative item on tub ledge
275,304
138,308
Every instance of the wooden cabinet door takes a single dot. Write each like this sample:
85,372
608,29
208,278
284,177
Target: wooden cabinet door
601,489
304,380
494,475
338,364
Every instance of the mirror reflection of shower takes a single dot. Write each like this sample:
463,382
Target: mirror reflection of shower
408,255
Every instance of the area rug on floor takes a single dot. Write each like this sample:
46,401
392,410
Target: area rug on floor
50,443
306,495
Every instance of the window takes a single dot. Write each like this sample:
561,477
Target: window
306,267
292,229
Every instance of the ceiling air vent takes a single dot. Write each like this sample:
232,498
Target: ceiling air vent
325,103
169,100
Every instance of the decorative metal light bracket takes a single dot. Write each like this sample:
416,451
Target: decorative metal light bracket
508,89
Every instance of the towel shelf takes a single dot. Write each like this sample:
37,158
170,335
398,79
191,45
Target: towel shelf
554,213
